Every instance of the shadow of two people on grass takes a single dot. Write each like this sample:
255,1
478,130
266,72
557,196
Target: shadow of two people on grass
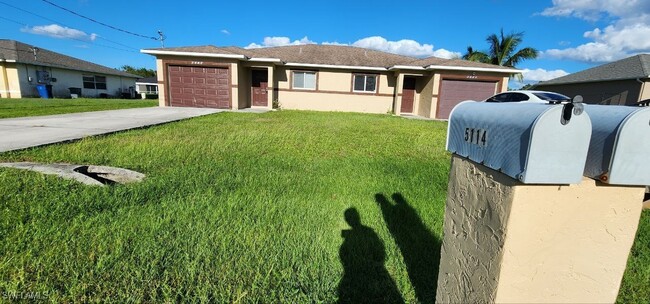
365,278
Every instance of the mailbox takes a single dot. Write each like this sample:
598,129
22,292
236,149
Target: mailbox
619,152
533,143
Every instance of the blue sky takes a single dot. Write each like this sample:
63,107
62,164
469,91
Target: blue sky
570,35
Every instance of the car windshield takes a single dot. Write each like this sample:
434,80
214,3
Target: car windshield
548,96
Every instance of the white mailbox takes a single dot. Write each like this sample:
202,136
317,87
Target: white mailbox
534,143
619,152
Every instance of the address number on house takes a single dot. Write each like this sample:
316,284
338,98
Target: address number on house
476,136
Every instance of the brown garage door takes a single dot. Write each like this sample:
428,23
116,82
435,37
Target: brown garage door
452,92
201,87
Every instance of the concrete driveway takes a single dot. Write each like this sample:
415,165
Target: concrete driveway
25,132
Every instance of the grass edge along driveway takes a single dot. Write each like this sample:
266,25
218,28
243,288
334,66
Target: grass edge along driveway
23,107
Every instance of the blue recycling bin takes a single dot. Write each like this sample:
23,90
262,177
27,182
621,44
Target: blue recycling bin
45,91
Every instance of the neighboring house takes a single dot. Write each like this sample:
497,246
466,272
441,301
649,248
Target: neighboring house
23,67
147,86
321,77
623,82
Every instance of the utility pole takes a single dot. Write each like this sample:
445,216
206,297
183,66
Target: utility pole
35,50
161,38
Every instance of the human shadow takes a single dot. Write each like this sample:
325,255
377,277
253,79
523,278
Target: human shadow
365,278
419,247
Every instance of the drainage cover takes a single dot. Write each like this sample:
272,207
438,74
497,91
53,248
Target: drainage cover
86,174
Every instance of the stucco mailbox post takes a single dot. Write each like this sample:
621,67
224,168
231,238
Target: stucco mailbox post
522,224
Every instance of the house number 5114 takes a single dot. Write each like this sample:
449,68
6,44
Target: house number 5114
476,136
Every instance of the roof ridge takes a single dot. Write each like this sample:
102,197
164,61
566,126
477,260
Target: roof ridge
644,58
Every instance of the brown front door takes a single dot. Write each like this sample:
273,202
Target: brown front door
408,95
259,88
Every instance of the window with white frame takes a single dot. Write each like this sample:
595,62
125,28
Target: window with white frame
304,80
152,89
366,83
94,82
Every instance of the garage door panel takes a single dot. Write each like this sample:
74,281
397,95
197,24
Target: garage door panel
199,87
452,92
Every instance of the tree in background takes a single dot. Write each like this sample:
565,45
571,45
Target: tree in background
144,72
503,50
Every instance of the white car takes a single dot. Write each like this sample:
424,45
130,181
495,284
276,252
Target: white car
529,97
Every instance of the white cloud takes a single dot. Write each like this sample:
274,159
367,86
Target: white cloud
535,76
57,31
405,47
225,32
626,34
402,47
334,43
632,38
594,9
541,74
279,41
589,52
442,53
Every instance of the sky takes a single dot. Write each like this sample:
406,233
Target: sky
570,35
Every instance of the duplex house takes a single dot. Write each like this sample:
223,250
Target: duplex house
23,67
321,77
622,82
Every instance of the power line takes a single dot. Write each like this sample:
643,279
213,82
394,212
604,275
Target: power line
11,20
61,23
98,22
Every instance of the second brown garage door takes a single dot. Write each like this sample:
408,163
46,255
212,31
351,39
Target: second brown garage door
201,87
452,92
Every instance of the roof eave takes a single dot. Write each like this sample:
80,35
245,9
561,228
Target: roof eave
262,59
192,54
591,81
63,67
332,66
406,67
473,69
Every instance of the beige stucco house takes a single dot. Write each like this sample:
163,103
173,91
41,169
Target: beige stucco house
23,67
323,78
623,82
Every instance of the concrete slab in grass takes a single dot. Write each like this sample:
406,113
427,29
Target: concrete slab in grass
27,132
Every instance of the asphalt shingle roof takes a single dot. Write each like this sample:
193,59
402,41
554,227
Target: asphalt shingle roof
629,68
152,79
22,53
332,55
455,63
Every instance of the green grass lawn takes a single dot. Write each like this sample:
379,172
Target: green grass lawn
285,206
37,107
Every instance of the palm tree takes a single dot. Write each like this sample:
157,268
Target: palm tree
502,50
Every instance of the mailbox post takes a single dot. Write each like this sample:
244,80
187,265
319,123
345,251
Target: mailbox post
522,224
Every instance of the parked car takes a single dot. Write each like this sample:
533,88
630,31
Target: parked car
529,97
